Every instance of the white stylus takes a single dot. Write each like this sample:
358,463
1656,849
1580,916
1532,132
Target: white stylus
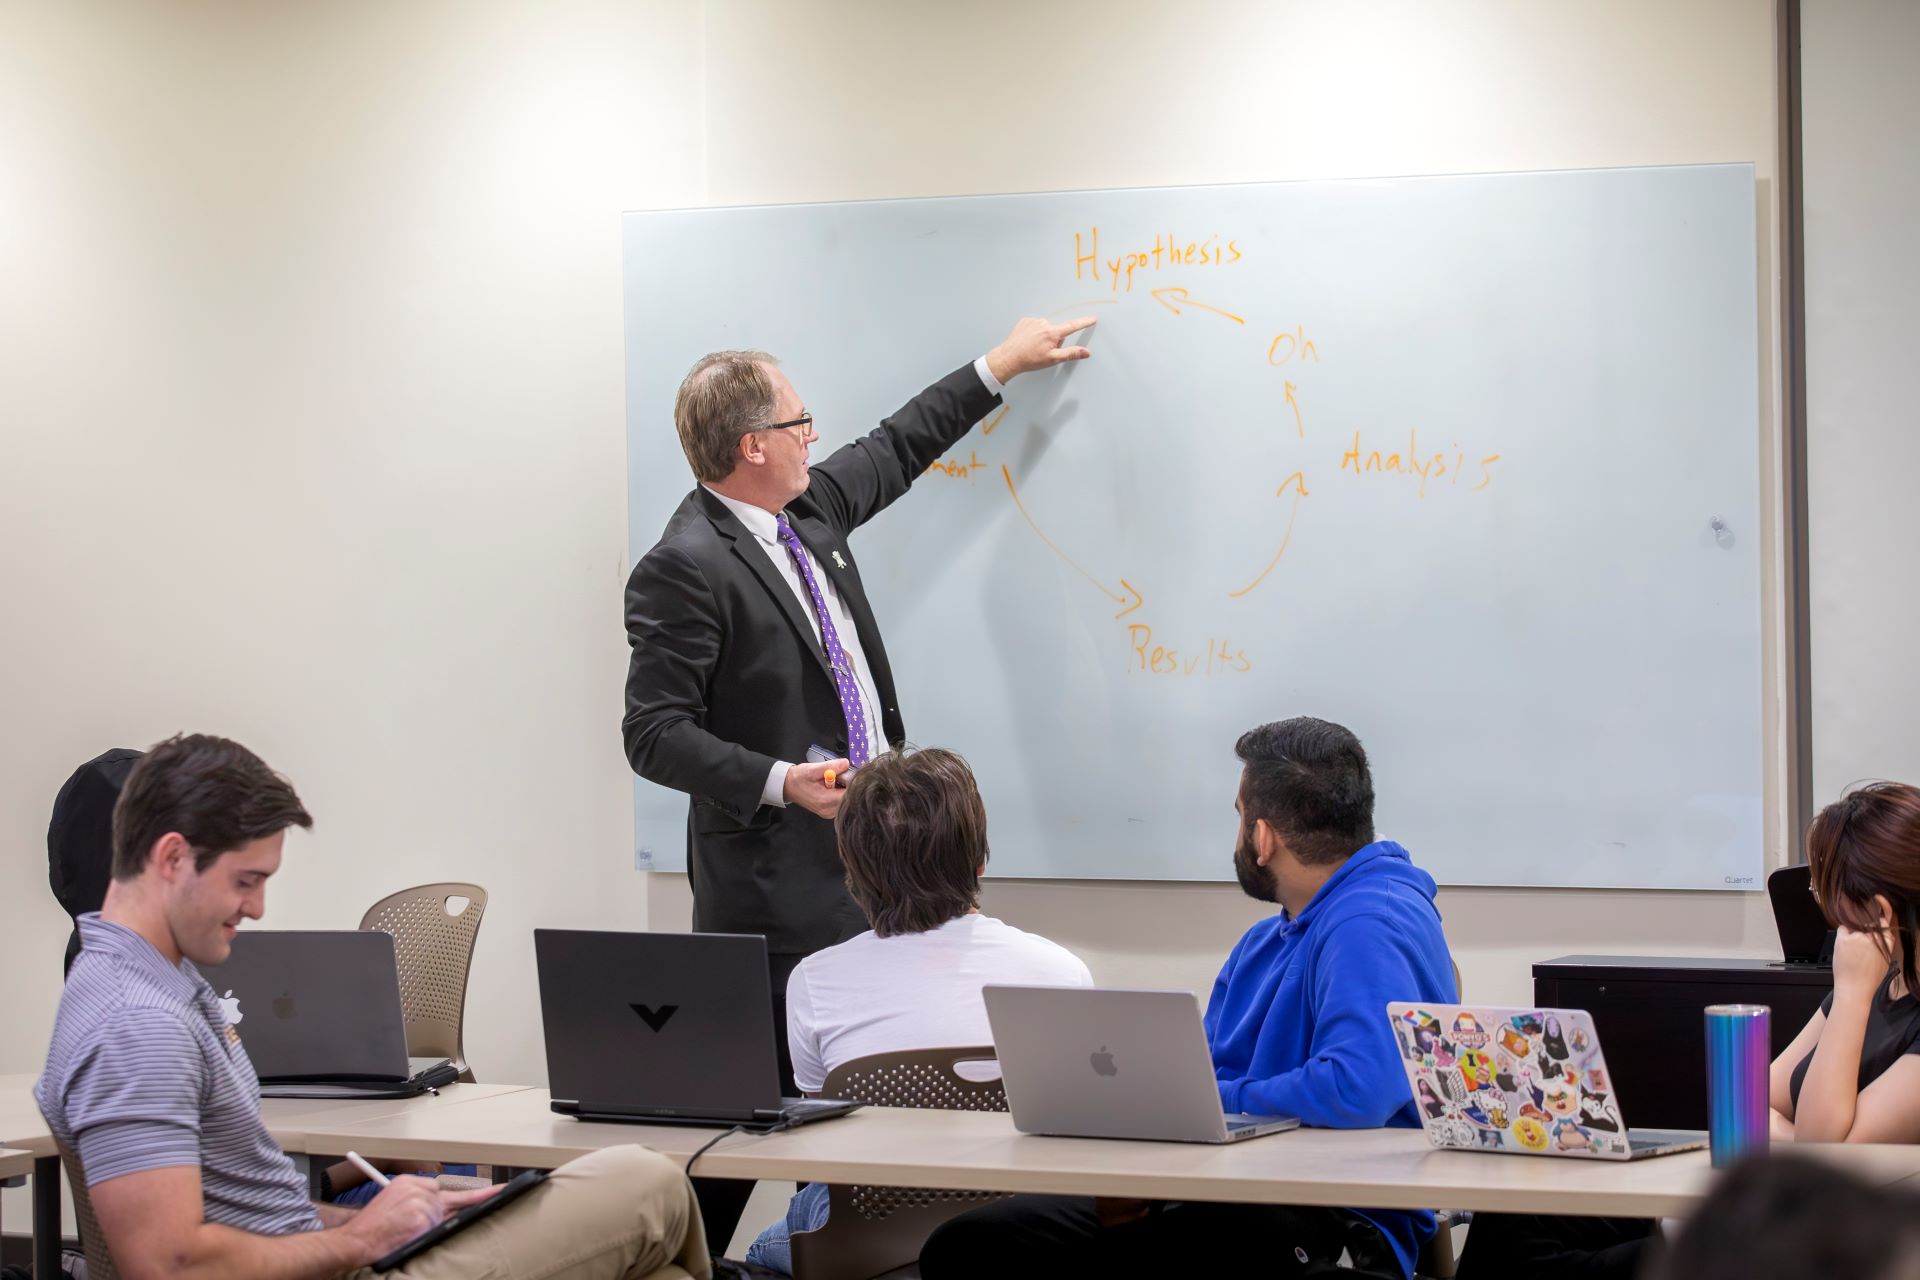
378,1178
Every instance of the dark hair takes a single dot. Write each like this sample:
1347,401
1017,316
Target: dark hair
1786,1216
1308,780
913,837
214,792
1864,843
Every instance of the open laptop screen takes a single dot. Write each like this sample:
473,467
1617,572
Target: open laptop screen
658,1023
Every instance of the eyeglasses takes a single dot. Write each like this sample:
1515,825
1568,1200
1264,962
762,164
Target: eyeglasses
804,422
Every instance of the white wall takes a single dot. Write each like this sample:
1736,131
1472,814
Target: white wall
310,393
311,403
1861,187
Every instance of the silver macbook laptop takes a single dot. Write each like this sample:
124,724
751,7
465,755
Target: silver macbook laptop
1090,1063
1527,1081
319,1014
664,1028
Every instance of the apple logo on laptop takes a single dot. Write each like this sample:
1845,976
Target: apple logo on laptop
230,1008
283,1006
1103,1063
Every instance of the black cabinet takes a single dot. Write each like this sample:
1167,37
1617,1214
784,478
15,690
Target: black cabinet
1648,1011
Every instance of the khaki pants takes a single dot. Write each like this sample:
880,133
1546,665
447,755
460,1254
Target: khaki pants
618,1214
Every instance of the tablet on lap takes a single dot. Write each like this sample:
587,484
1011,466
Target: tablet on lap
454,1224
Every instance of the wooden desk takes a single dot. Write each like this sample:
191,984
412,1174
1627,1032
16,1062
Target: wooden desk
23,1128
1371,1168
1379,1168
290,1119
16,1164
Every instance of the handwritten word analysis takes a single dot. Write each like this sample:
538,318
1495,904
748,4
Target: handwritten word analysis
1449,464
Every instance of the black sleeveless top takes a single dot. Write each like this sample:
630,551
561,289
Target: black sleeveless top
1893,1031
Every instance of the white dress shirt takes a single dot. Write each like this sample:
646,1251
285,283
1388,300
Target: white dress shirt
761,523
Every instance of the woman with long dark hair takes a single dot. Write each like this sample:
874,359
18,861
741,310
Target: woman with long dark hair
1851,1075
1853,1072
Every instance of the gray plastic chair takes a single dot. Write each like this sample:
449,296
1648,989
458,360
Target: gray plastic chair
873,1230
433,946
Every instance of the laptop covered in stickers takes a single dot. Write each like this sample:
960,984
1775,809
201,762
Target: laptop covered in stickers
1526,1081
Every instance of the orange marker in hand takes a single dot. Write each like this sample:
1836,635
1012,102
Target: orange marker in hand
817,754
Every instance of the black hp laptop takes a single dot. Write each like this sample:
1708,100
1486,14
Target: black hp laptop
664,1028
319,1014
1805,936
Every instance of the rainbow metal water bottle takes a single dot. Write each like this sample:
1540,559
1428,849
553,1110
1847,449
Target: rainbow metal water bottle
1739,1044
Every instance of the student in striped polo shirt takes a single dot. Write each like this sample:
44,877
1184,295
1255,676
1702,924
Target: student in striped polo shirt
148,1085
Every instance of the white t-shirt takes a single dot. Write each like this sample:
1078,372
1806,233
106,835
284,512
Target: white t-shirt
912,991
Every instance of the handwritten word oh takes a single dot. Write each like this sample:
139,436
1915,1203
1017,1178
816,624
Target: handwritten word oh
1287,346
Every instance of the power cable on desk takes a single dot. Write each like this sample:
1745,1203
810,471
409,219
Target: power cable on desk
739,1128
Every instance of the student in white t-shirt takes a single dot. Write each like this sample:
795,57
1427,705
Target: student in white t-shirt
912,835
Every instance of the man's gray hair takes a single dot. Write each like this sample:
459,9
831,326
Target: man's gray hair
724,396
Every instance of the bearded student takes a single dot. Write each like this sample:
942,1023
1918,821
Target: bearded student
1296,1026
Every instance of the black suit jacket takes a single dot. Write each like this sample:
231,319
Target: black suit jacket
727,676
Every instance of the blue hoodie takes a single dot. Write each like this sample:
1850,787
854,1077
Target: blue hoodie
1298,1019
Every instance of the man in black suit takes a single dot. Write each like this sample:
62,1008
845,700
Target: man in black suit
734,677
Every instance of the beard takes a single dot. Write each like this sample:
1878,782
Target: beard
1256,881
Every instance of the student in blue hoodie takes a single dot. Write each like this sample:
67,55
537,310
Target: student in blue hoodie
1297,1026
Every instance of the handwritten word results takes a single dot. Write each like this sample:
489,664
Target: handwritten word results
1214,658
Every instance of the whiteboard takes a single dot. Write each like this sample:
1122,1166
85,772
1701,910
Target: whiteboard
1468,464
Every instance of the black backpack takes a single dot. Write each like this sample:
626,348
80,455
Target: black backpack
80,837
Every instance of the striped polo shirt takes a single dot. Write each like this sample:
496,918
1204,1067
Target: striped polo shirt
143,1073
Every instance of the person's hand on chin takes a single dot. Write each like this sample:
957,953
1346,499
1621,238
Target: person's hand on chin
1861,957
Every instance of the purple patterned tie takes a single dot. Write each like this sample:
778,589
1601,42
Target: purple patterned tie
836,656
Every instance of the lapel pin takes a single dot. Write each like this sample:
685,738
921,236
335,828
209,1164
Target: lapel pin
838,563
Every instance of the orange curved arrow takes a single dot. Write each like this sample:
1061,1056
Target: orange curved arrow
1131,601
1173,297
1291,517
